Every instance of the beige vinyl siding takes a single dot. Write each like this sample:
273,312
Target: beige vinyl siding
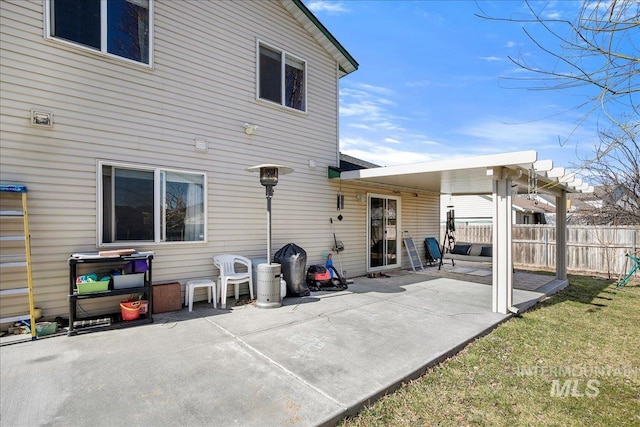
468,209
202,85
420,212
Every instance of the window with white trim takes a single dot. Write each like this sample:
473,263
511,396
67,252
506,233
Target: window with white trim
114,27
281,78
154,205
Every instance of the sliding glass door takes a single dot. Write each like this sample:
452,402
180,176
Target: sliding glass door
383,225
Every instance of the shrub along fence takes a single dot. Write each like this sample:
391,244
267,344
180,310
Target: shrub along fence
590,249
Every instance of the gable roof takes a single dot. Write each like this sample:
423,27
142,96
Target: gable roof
319,32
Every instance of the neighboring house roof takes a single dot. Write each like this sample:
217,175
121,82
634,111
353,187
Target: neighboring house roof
480,208
350,163
310,23
525,204
601,194
580,201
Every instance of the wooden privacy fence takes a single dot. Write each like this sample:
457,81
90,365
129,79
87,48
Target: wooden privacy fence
593,249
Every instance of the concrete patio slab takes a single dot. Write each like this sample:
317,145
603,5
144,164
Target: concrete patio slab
310,362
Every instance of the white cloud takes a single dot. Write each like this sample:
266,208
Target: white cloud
429,83
361,126
482,138
358,109
375,89
428,15
420,83
387,156
373,130
429,142
399,152
490,58
365,95
491,136
370,105
500,132
388,125
495,135
332,7
355,143
553,15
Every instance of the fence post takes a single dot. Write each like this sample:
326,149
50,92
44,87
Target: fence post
546,246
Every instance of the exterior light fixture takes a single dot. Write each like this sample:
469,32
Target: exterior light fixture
201,145
41,118
268,286
249,128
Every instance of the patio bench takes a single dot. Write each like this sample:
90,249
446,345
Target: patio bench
474,252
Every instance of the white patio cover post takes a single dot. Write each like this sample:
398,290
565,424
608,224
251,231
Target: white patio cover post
561,236
502,247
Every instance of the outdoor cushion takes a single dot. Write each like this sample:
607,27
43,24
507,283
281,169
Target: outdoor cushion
487,251
460,249
475,250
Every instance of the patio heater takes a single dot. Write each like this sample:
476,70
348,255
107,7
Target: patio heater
268,277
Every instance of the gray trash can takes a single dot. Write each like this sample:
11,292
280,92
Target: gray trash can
254,272
268,293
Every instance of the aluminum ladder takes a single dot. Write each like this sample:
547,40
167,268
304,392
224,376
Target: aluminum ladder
414,257
14,256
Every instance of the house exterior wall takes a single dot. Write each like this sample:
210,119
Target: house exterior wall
419,215
479,210
468,209
202,85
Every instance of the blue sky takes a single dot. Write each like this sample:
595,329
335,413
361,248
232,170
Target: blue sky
435,82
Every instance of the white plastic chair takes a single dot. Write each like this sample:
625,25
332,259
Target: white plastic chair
200,283
229,276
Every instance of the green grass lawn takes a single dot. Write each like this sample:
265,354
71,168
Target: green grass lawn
573,360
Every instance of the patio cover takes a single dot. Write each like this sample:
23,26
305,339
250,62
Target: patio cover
500,175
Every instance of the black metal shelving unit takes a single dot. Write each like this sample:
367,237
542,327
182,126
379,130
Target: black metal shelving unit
107,321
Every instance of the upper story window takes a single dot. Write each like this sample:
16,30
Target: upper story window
282,78
114,27
153,205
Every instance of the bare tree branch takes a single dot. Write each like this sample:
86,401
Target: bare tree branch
599,50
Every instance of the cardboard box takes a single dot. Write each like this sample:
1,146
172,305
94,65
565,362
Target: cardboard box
167,297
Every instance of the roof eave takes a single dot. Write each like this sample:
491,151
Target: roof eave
346,63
